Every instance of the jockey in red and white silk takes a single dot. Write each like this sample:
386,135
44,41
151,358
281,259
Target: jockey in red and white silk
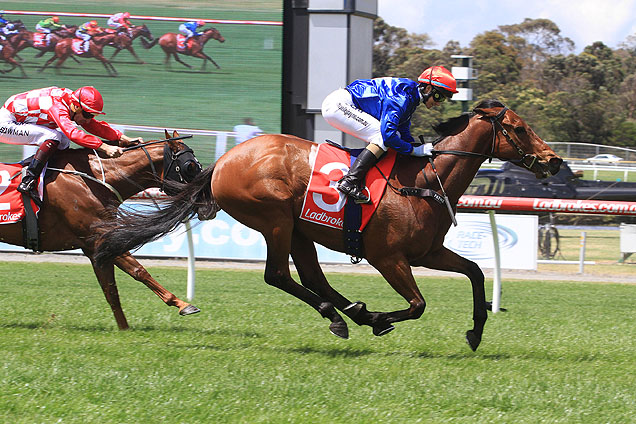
38,115
46,117
120,20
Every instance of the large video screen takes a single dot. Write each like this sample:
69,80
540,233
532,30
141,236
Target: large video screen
159,93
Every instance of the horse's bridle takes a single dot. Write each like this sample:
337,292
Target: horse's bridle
527,160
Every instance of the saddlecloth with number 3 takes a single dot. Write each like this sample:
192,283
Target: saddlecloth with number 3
323,203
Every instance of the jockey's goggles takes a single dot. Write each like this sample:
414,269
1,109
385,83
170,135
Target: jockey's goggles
438,97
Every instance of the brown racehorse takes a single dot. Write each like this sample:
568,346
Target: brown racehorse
125,39
64,49
168,43
7,54
74,202
262,183
27,39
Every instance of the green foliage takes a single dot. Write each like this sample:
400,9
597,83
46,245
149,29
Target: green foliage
563,353
587,97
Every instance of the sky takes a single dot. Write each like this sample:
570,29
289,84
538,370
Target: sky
583,21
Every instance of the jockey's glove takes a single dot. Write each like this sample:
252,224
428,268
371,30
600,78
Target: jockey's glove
422,150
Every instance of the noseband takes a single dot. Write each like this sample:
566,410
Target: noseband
527,160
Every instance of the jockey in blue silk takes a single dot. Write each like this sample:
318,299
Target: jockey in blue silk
379,112
2,20
189,29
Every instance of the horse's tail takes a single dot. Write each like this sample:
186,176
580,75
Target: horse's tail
148,44
133,229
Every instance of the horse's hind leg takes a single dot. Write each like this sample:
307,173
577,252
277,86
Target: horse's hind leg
277,274
130,266
176,57
106,277
447,260
305,258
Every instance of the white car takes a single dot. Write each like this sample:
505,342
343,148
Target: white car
607,158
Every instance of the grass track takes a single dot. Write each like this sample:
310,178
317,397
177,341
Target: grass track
566,352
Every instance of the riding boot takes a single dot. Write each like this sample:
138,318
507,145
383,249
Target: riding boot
350,183
42,156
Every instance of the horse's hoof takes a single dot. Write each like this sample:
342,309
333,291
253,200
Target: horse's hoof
381,331
189,310
472,340
340,329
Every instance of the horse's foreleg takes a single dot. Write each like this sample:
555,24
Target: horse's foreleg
397,272
117,50
109,66
130,266
48,62
211,60
106,277
447,260
303,252
132,52
277,274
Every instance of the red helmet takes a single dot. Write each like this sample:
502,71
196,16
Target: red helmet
126,15
440,77
200,23
92,23
89,99
56,19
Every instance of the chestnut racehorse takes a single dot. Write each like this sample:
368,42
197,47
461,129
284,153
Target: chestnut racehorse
125,39
64,50
168,43
262,184
74,201
26,39
7,54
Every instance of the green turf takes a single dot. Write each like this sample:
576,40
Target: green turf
565,352
247,85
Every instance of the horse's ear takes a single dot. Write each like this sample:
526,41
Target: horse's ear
175,134
166,133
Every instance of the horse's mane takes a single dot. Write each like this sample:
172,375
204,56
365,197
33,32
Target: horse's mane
454,126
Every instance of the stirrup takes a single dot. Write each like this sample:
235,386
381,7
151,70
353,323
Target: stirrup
353,191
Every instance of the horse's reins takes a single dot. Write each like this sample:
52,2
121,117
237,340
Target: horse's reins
496,127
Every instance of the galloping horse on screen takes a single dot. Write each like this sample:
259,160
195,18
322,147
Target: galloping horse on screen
168,43
74,201
7,54
262,184
64,50
125,40
37,40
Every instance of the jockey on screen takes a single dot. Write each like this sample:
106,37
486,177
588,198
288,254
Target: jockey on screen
9,29
189,29
379,111
47,118
49,25
120,20
2,20
86,32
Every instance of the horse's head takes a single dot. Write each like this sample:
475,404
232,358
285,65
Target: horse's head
514,140
144,31
214,33
179,163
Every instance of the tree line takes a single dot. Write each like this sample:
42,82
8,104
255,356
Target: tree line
588,97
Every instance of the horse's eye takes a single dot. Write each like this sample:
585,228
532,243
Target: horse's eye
520,130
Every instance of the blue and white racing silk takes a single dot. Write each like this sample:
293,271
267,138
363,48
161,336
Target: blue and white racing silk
391,101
